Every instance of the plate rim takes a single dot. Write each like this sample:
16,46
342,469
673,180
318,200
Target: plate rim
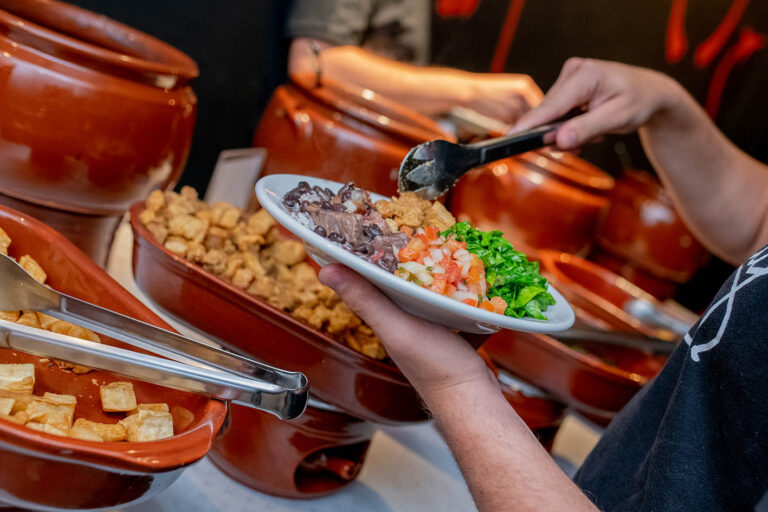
267,199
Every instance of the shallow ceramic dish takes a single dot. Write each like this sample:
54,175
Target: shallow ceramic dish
43,471
410,297
359,385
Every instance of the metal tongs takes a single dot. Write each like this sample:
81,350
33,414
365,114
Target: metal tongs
432,168
196,367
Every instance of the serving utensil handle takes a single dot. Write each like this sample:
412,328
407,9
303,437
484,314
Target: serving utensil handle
268,397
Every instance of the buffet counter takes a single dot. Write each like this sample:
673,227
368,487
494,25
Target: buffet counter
406,468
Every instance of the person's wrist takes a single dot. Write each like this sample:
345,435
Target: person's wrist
671,102
443,394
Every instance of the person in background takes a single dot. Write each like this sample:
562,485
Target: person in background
695,437
384,46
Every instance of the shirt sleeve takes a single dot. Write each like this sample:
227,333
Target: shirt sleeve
339,22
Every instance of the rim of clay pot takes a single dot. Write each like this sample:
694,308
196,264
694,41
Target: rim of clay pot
372,108
151,456
587,177
94,41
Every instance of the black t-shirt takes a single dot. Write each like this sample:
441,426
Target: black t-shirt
696,438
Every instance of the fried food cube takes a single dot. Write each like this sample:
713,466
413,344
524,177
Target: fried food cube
5,241
105,431
438,215
158,230
150,407
155,201
147,216
56,410
18,378
20,400
68,329
47,428
117,397
6,406
30,319
195,251
261,222
177,245
33,268
9,316
84,434
286,252
148,426
229,217
216,238
46,321
188,227
20,418
182,418
242,278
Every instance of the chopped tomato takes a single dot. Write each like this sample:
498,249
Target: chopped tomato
417,244
499,305
486,305
454,245
438,284
407,254
452,270
407,230
476,272
431,232
422,255
471,302
450,290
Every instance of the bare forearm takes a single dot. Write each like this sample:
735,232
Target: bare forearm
504,465
720,191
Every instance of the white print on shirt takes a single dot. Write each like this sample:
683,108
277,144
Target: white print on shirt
748,273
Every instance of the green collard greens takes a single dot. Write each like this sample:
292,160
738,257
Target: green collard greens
509,273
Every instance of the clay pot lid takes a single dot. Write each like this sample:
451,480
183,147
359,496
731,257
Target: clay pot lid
372,108
94,41
645,183
571,169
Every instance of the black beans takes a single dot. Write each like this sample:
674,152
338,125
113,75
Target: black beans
388,262
303,185
335,237
289,201
339,207
325,205
320,230
371,231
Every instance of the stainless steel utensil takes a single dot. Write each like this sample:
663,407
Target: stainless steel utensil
622,339
432,168
196,367
648,313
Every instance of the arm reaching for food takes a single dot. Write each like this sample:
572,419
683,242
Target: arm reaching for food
428,90
502,461
720,191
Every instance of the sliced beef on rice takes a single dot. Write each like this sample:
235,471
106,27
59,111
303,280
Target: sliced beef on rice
390,243
348,225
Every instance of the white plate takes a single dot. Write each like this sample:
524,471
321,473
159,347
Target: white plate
409,296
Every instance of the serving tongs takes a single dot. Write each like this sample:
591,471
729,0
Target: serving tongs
432,168
194,366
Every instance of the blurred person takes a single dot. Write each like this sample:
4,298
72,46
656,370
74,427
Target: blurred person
384,46
692,439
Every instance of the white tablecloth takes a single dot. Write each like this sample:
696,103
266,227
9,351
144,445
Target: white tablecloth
407,468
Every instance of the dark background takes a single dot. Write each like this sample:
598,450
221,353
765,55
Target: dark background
240,49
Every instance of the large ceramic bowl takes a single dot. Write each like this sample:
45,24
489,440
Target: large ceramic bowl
340,132
357,384
319,453
643,238
40,470
94,115
538,201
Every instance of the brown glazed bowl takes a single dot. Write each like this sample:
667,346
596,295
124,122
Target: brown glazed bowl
94,115
537,201
355,383
40,470
644,240
340,132
316,454
598,292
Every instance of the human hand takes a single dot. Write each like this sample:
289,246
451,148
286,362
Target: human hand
505,97
433,358
619,99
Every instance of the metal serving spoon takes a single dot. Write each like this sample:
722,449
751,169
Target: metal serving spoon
196,367
432,168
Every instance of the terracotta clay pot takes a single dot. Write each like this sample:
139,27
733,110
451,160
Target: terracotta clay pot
93,114
340,132
316,454
355,383
537,201
599,292
40,470
644,240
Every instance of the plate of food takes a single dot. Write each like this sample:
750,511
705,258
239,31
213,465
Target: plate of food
416,253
